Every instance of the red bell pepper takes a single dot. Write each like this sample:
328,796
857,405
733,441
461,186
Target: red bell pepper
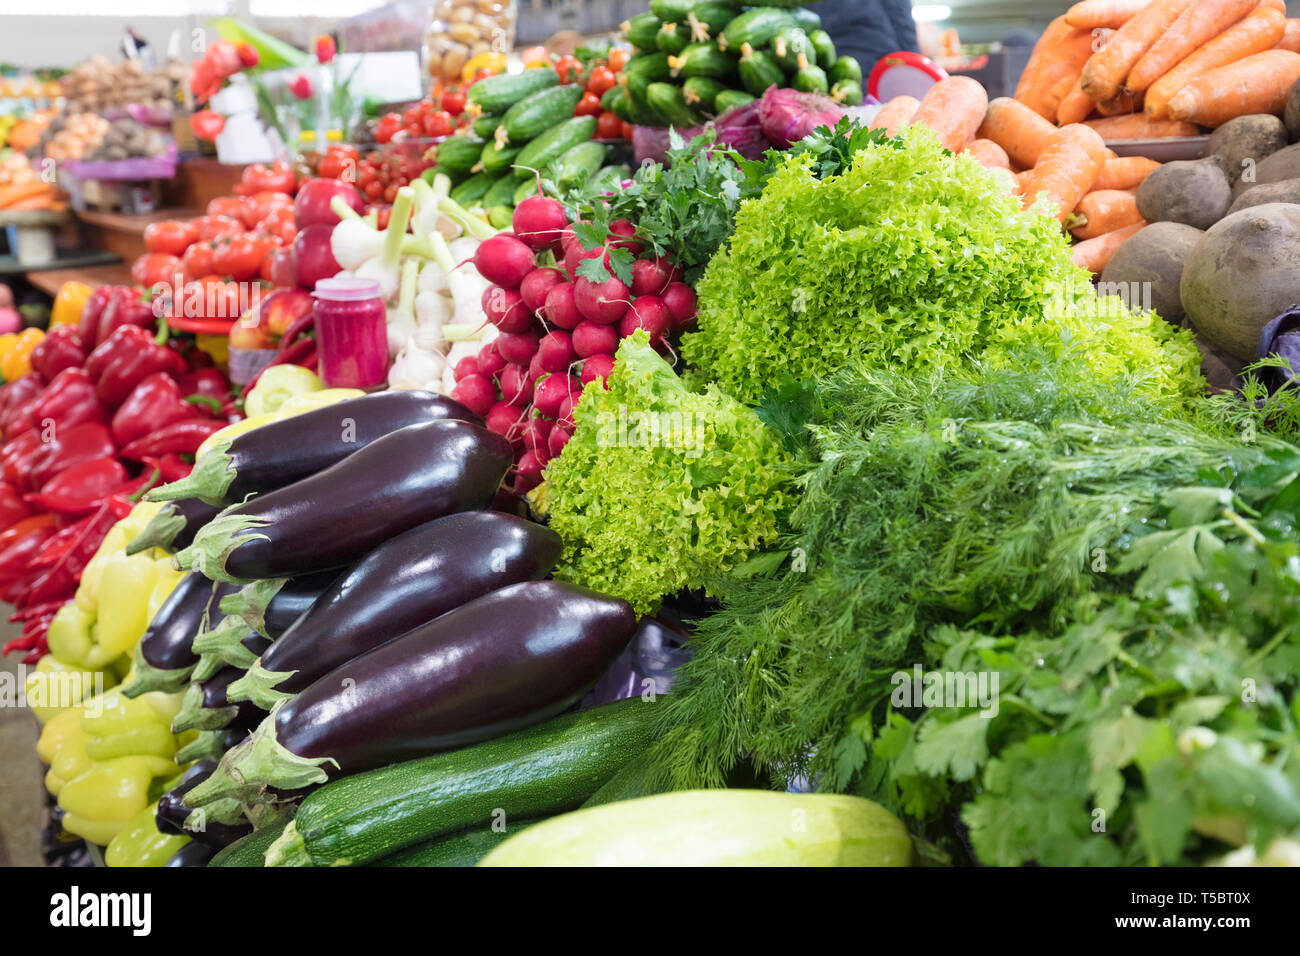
60,349
17,417
16,460
204,382
80,489
134,488
127,309
88,325
170,467
154,403
68,447
68,400
49,608
128,357
15,393
62,578
182,438
21,542
12,507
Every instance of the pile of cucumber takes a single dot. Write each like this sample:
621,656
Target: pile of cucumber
696,59
526,123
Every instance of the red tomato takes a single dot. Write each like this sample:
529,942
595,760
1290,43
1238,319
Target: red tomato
390,192
387,126
172,236
279,225
626,131
437,124
214,227
198,260
155,268
618,58
232,207
608,126
374,191
589,105
339,162
263,177
601,81
262,204
221,299
569,68
453,101
241,257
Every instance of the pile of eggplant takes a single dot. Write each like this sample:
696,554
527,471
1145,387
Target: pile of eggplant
358,593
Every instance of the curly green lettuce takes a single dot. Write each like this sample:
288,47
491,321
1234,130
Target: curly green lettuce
661,488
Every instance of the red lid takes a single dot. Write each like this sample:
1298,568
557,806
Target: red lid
903,74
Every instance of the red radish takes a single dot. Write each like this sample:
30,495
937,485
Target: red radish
506,420
560,309
568,237
558,439
597,367
574,255
649,313
466,367
555,351
476,392
536,435
535,370
681,303
651,276
552,391
506,310
624,228
504,260
592,338
516,386
604,302
540,222
537,284
490,362
528,472
565,418
517,347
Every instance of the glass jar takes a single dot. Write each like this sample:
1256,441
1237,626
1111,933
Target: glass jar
351,333
468,32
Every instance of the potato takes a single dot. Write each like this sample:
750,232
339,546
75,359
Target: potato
1194,192
1243,273
1242,142
1284,164
1287,190
1291,117
1147,271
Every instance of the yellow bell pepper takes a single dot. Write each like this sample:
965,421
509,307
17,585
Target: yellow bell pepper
166,579
278,383
314,400
125,585
496,62
62,746
140,843
124,726
68,303
55,685
233,431
100,802
16,362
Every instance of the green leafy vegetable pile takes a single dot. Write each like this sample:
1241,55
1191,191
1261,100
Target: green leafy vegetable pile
661,487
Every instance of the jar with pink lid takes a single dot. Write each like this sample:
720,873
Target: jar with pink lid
351,333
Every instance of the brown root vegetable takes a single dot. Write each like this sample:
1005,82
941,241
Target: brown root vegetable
1286,190
1147,271
1193,192
1243,273
1219,370
1291,115
1246,141
1284,164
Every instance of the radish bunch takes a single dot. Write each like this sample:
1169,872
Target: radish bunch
559,331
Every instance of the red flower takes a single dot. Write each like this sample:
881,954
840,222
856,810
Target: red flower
247,55
325,48
300,86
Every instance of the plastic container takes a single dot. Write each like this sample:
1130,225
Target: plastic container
351,333
460,30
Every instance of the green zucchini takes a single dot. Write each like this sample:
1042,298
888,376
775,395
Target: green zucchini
701,93
578,165
757,28
500,217
628,784
848,92
463,849
845,68
495,160
710,17
730,99
825,47
496,94
703,59
459,154
810,78
502,192
249,850
535,772
486,125
535,114
808,19
673,38
472,190
789,45
643,70
553,144
527,189
715,828
642,30
671,11
670,101
759,70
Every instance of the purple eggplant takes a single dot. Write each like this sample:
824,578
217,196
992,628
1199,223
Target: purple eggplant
335,517
205,706
283,452
192,854
164,657
507,660
174,526
402,584
172,813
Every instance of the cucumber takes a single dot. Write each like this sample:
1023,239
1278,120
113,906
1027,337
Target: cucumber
642,30
620,104
496,160
496,94
703,59
535,114
715,828
757,28
848,92
463,849
643,70
430,174
789,45
610,96
640,113
502,192
553,144
845,68
578,165
701,93
249,850
808,19
459,154
472,190
535,772
671,11
825,47
671,104
672,38
609,179
810,78
730,99
759,70
501,217
527,189
711,17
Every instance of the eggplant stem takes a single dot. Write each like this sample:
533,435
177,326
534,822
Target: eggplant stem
229,811
207,666
194,716
214,544
160,532
258,686
148,678
209,745
208,481
226,642
250,603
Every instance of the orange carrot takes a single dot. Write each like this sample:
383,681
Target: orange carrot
20,192
1103,211
896,114
1058,58
954,109
1259,31
1196,26
988,153
1141,126
1121,105
1128,172
1105,73
1066,170
1257,84
1017,129
1291,39
1093,254
1076,107
1101,14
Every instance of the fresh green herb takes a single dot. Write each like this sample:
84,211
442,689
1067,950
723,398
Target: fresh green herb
832,152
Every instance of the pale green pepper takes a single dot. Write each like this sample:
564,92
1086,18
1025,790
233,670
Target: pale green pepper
139,843
278,384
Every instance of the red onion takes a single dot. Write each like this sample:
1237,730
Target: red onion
787,116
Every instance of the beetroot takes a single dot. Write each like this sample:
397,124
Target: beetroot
603,302
537,284
540,222
681,302
506,310
597,367
561,310
504,260
592,338
552,391
647,312
476,392
517,347
558,438
516,386
555,351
